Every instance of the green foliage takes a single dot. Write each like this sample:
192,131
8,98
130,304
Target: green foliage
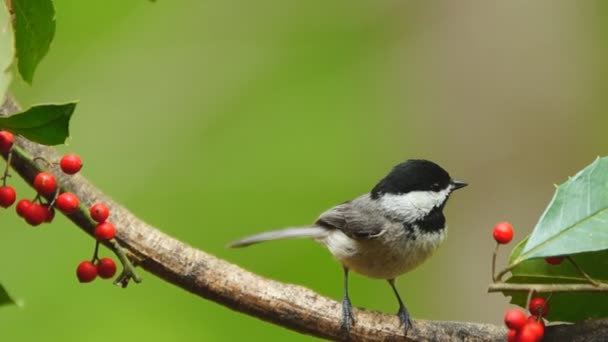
34,31
7,50
5,299
573,224
565,306
44,124
576,219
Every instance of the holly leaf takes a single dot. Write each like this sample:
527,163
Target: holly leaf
565,306
5,299
7,50
44,124
34,31
576,220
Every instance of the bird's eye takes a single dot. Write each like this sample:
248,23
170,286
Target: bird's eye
435,187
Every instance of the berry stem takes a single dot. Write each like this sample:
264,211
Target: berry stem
95,253
501,274
582,272
128,270
530,294
542,309
5,174
494,262
52,202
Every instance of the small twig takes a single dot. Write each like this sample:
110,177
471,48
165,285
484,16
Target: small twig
128,271
545,288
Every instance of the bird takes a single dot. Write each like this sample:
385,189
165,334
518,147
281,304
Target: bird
383,233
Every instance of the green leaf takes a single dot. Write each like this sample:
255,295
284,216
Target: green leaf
576,220
34,31
576,224
565,306
44,124
5,299
7,50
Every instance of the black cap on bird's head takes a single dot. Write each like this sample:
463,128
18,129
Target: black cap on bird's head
415,175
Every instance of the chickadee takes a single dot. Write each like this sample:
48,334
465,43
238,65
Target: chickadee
384,233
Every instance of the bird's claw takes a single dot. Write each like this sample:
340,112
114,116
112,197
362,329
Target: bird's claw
404,319
348,319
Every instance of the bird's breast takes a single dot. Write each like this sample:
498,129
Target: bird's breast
396,251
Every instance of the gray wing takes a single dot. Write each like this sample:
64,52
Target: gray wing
352,221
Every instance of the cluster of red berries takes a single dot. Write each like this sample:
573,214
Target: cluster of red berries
105,268
36,211
503,234
530,328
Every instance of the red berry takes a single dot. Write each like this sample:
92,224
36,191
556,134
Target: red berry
532,331
515,319
536,305
67,202
512,336
35,214
70,164
105,231
7,196
45,183
86,272
554,260
22,207
503,232
6,141
106,268
50,213
99,212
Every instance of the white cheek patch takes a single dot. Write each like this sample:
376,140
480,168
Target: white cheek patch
415,204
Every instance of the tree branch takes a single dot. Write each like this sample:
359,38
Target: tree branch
290,306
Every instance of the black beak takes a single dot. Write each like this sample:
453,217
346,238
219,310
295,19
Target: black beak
458,184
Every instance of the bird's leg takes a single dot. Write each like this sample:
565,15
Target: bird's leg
348,320
404,316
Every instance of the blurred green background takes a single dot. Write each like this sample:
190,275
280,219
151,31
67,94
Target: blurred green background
216,119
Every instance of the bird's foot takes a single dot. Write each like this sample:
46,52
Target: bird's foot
404,319
348,319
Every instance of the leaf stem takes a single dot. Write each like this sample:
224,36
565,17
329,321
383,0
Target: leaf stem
582,272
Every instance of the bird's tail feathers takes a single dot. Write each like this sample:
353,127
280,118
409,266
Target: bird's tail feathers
312,232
